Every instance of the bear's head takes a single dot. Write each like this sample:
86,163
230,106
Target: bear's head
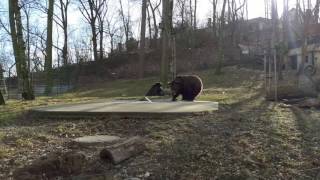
158,89
176,86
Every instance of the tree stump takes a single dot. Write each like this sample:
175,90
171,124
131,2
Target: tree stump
53,165
2,102
124,150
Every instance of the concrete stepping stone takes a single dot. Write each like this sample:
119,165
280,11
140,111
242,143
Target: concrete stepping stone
97,140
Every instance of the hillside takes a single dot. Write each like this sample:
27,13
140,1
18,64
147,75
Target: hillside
248,138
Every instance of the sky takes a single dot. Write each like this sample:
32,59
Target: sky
256,8
77,27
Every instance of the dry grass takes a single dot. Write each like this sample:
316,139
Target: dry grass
249,138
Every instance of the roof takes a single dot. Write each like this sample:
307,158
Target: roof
313,34
313,30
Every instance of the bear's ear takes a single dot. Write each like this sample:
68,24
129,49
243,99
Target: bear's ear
178,80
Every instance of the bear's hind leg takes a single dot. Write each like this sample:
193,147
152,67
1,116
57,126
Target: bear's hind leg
188,98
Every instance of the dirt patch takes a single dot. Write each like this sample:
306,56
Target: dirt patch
248,138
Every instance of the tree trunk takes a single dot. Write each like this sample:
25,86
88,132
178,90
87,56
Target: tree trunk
28,39
65,48
94,40
14,36
316,11
19,49
214,17
165,34
48,58
155,25
149,26
284,53
91,11
195,14
221,39
111,43
125,24
142,39
101,39
2,102
64,14
191,13
182,14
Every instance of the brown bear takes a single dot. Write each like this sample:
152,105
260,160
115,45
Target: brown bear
189,86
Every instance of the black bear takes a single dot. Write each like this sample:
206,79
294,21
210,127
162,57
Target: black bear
155,90
189,86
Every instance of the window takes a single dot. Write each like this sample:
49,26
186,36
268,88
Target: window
293,62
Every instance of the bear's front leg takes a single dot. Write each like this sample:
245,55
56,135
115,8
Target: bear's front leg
174,97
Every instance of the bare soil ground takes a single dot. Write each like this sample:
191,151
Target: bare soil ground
248,138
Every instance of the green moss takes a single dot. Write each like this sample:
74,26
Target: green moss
4,152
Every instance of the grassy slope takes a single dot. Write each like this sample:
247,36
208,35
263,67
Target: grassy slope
222,88
250,138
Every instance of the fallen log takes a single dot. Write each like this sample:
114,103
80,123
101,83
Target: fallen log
289,93
309,103
124,150
305,102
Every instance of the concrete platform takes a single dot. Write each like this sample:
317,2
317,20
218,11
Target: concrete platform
127,109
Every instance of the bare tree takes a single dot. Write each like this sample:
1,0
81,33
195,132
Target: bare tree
49,42
284,45
2,101
221,38
126,22
316,11
142,37
26,8
111,31
167,8
214,17
62,21
102,10
19,48
195,15
154,8
274,43
88,9
191,13
234,12
149,23
181,5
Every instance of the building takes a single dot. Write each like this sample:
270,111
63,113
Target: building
295,59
